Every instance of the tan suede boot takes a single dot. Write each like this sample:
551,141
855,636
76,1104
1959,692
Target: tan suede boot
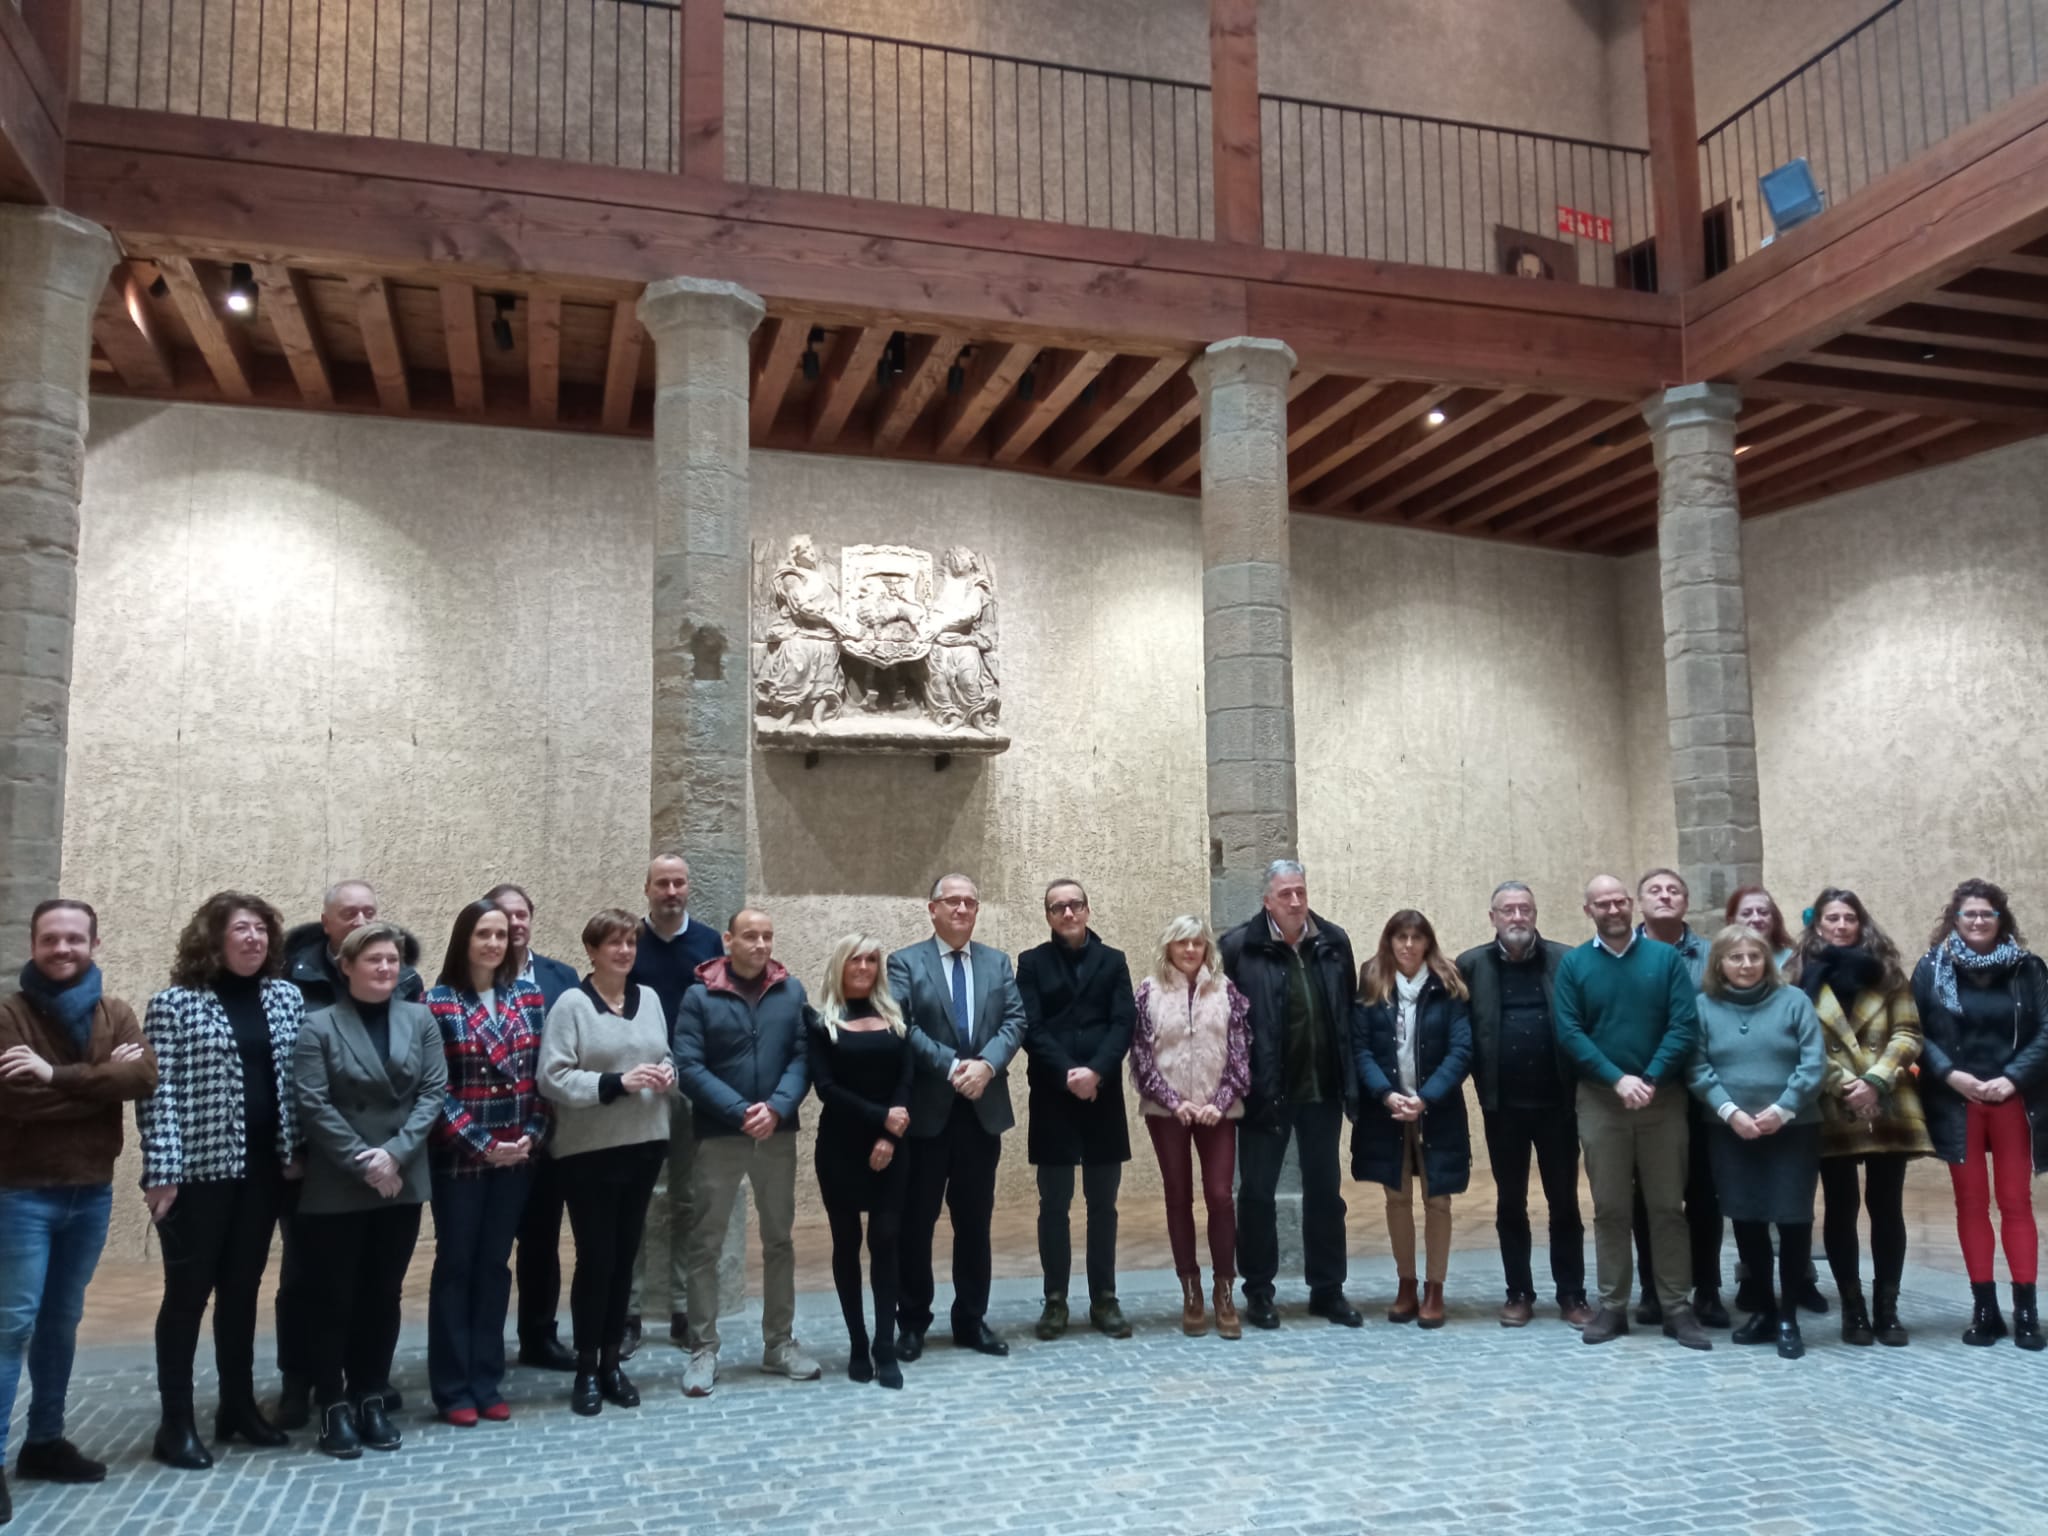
1227,1324
1193,1322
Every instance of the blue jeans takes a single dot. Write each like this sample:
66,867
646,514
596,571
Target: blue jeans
50,1241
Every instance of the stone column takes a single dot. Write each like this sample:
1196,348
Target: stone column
698,771
1706,641
53,268
1247,630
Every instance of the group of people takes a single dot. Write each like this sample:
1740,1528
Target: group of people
314,1081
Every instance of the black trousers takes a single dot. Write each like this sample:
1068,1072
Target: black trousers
356,1263
1883,1194
1795,1252
1702,1212
607,1194
1099,1185
1315,1129
293,1304
216,1242
885,1268
538,1268
955,1169
1551,1134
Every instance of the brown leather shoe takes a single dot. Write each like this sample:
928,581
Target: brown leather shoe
1431,1314
1517,1312
1607,1323
1193,1321
1577,1313
1406,1304
1227,1324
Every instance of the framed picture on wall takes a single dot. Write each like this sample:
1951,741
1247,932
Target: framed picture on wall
1517,253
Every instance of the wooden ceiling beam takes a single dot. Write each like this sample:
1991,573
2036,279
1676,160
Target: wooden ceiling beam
1181,460
993,378
1151,427
126,328
1582,428
847,374
1956,365
1994,293
1840,386
1933,444
1379,417
904,400
1121,390
622,366
1463,412
1932,326
288,306
463,346
1322,405
1529,503
381,344
776,356
1514,421
225,347
544,356
1059,380
1829,433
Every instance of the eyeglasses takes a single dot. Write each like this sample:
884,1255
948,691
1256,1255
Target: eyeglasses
959,903
1516,911
1062,908
1978,916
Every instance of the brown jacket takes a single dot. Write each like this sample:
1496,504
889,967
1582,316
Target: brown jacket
68,1131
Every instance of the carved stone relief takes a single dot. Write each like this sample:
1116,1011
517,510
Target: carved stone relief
884,649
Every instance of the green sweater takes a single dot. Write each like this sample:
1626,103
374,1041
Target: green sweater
1632,1014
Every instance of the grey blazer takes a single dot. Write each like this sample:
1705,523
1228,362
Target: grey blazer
350,1101
925,993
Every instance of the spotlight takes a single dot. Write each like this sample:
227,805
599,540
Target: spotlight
501,323
1927,354
241,295
1088,393
1436,418
1027,386
956,379
810,363
1742,448
159,289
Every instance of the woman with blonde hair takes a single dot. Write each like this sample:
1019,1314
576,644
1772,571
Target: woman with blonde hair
861,1063
1412,1039
1190,1067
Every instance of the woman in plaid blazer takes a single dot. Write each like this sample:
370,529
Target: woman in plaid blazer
485,1145
220,1140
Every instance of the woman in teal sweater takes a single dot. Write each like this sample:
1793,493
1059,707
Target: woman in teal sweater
1759,1068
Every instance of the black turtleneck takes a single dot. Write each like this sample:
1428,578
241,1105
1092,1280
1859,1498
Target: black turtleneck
376,1019
242,998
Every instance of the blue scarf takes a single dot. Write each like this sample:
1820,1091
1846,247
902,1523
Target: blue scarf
71,1005
1952,952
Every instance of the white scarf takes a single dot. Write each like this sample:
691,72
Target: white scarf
1407,996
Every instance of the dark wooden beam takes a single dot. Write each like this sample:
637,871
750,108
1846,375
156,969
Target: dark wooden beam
1121,391
847,374
1932,326
125,327
1151,427
924,370
287,304
700,90
1839,386
1385,413
1995,293
1417,438
777,352
1181,459
1934,444
1529,500
1322,405
1813,437
544,356
1928,364
1240,205
1674,144
465,351
1568,436
381,344
1058,382
990,381
622,367
225,346
1515,421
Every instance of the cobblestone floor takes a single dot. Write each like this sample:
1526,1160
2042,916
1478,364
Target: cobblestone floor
1311,1429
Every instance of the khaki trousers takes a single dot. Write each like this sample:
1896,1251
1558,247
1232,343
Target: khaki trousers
668,1231
1436,1216
1626,1148
769,1169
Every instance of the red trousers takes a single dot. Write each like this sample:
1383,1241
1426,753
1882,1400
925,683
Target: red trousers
1998,1147
1177,1146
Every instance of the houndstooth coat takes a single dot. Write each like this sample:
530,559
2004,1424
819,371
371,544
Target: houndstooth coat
191,1129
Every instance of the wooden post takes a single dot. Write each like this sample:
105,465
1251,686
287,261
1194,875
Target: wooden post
1674,144
1234,119
701,90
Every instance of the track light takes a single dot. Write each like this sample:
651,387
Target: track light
956,376
241,295
1927,354
1436,418
159,289
1027,386
1088,393
501,322
1742,448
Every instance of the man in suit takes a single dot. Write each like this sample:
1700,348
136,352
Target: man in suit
966,1020
1078,1016
539,1263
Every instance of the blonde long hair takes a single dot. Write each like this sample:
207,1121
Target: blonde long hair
832,994
1188,926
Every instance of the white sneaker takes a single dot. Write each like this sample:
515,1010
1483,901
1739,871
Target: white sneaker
792,1362
701,1374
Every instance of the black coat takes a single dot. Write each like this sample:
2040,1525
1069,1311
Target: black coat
320,985
2025,1057
1076,1018
1257,963
1443,1060
1481,969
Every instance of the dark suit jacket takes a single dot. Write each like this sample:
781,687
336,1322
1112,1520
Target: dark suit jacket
1076,1018
925,993
553,977
351,1099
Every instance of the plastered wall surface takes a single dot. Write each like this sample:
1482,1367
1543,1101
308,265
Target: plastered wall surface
319,646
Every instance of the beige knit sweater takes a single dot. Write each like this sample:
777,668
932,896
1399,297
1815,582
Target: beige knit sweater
579,1043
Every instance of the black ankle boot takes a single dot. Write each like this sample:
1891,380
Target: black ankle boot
2026,1319
373,1424
246,1419
338,1437
1762,1327
1884,1316
1987,1323
1855,1321
177,1442
615,1386
294,1401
